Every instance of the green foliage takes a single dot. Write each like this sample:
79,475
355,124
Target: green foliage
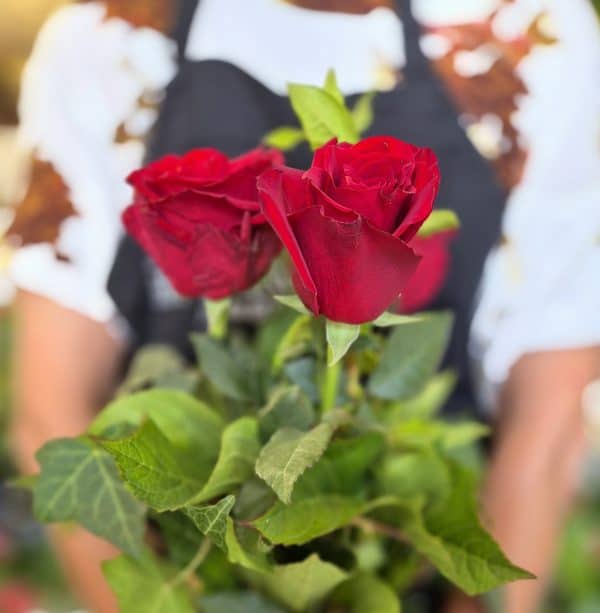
451,536
239,449
322,115
280,477
288,454
441,220
144,586
212,520
411,357
164,476
217,316
79,482
340,337
185,420
365,593
300,585
284,138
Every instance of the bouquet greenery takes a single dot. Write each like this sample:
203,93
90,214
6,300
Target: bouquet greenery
301,465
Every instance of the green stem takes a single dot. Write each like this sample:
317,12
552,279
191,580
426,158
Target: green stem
329,388
217,315
194,563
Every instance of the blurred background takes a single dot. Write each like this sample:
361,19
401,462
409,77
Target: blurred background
29,577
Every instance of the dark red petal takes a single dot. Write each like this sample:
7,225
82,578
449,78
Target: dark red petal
357,270
427,183
283,192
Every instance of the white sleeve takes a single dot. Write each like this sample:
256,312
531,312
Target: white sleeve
81,86
541,287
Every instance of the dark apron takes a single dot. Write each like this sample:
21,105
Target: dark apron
213,103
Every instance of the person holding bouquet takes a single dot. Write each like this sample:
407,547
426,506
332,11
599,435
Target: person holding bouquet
490,87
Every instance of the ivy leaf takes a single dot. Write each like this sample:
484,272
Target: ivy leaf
288,407
288,454
219,367
365,593
212,520
322,116
293,302
240,446
332,88
145,586
180,534
441,220
80,482
362,113
411,356
301,585
340,337
179,416
165,476
284,138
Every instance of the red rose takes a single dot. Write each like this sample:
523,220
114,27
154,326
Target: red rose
198,216
347,223
431,272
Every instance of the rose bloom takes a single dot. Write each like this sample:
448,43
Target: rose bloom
198,217
348,222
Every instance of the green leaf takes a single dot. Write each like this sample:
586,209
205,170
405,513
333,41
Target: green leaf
180,535
365,593
388,320
321,115
340,337
287,407
293,302
164,476
242,554
362,113
451,536
414,475
219,367
145,586
427,403
288,454
212,520
179,416
411,356
238,602
332,88
326,496
80,482
158,366
293,342
240,446
419,432
441,220
301,585
284,138
303,373
217,315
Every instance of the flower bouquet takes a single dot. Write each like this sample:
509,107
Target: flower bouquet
300,466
